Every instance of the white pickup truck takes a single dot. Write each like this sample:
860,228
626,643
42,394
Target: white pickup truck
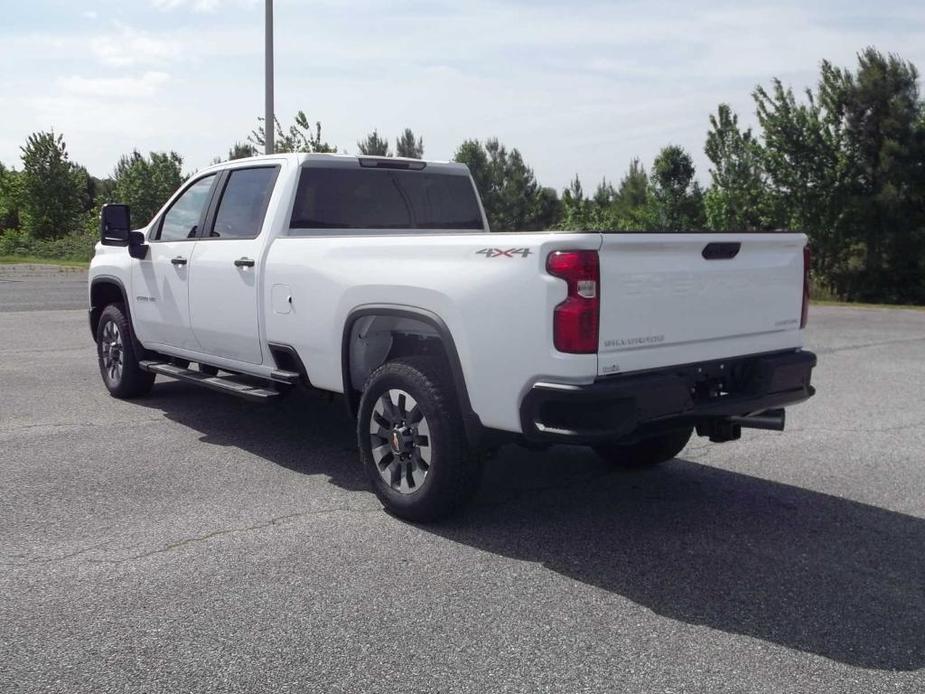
378,279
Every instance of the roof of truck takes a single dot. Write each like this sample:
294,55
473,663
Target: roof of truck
342,159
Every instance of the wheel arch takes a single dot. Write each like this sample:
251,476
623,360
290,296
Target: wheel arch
436,328
106,290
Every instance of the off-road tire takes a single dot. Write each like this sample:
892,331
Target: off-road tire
115,350
453,470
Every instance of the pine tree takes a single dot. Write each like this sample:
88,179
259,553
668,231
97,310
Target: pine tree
678,197
302,136
374,146
407,146
737,199
512,198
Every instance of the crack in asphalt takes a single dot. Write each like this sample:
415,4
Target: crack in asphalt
852,348
186,541
50,560
43,351
861,430
77,425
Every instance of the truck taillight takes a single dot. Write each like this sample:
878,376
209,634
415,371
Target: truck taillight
807,258
575,320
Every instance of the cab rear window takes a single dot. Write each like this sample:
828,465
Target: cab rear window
380,199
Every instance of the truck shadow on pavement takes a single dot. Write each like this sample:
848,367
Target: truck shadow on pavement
693,543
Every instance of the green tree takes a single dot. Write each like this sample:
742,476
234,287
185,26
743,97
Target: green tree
677,196
9,199
604,194
738,198
104,190
803,156
575,193
576,213
633,191
846,165
51,188
512,198
145,184
302,136
374,146
407,146
547,208
626,208
241,150
89,188
879,114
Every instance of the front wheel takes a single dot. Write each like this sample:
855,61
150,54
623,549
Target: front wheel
646,452
116,353
412,441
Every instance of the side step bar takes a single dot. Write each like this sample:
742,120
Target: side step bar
222,384
290,377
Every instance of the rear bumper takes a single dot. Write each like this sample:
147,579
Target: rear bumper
623,407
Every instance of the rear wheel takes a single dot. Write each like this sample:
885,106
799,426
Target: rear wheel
412,441
116,353
648,451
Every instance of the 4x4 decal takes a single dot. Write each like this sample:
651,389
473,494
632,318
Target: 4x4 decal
500,253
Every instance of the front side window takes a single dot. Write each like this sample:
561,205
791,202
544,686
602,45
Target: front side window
244,203
342,198
182,219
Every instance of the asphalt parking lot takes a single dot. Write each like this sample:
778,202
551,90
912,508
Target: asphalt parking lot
192,542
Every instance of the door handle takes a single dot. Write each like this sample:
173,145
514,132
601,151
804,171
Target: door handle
244,262
179,260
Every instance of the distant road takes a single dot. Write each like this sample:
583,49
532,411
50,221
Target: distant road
42,288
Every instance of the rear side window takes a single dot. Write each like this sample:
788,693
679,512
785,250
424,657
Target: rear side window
243,204
383,199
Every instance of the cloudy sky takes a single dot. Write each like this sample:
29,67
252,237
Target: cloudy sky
579,86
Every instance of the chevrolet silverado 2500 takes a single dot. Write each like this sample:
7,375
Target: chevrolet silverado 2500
378,279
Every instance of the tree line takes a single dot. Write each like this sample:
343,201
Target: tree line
844,162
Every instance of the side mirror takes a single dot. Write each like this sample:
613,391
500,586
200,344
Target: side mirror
137,248
115,225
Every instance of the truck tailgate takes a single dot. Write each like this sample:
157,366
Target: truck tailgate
670,299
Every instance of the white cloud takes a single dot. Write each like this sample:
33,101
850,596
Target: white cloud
130,46
196,5
89,14
117,88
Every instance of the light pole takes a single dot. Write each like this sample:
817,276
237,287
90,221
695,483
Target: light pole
269,122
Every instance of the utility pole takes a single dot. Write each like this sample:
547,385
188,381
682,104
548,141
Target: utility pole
269,122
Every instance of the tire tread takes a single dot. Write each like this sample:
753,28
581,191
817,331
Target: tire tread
135,381
461,469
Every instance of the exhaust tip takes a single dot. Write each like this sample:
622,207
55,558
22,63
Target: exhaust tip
770,420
